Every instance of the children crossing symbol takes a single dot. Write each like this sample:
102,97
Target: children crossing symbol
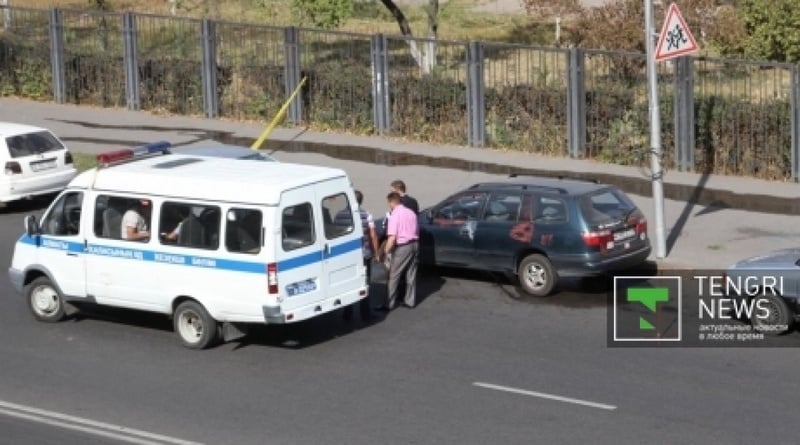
675,39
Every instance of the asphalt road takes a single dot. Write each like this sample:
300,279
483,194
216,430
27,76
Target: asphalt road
408,378
434,374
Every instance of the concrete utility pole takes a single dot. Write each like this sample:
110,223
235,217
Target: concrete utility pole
655,133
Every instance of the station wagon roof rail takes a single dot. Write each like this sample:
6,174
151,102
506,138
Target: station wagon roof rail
519,186
559,177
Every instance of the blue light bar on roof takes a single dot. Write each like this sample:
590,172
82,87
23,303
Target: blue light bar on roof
153,147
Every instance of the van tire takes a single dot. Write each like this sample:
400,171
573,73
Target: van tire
536,275
45,300
780,315
194,326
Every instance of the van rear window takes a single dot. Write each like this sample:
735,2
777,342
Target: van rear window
32,144
297,224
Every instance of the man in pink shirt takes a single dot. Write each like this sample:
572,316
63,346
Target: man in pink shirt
403,233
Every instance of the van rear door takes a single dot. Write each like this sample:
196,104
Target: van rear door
298,254
341,227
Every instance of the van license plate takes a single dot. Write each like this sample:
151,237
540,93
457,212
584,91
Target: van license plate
43,165
301,287
624,234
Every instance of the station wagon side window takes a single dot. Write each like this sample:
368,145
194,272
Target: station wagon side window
549,210
64,218
459,208
190,225
297,226
111,213
243,232
338,216
503,207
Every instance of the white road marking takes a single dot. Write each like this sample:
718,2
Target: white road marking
117,432
542,395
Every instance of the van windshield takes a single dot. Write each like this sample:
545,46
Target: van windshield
605,207
32,144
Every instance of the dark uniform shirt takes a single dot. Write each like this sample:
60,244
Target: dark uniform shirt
410,203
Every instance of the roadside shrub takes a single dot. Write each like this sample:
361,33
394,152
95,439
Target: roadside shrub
24,69
250,91
430,108
738,137
338,95
527,118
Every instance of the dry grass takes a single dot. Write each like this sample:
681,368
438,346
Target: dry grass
457,20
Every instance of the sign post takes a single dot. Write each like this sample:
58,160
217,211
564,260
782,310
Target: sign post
675,40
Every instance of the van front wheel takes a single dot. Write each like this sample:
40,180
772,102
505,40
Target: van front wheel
45,301
195,327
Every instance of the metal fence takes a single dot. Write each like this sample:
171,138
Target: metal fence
718,116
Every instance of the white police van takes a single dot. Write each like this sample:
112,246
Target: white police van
258,243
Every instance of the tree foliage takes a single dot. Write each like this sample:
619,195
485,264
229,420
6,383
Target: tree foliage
771,26
323,13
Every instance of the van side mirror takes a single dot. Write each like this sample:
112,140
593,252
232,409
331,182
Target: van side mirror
32,226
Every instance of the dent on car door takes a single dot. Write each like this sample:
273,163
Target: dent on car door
453,227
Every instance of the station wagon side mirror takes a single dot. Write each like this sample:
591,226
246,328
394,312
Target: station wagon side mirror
32,226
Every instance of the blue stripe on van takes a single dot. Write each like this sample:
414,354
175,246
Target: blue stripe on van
187,260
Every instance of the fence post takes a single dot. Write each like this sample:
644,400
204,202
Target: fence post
6,15
576,103
291,42
208,38
683,113
476,96
795,95
381,113
57,54
131,65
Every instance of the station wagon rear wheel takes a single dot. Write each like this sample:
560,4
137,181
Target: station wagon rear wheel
195,327
778,319
536,275
45,301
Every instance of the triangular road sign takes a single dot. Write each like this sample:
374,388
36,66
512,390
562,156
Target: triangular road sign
675,39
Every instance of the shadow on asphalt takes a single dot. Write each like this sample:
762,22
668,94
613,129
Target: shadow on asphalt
572,292
27,206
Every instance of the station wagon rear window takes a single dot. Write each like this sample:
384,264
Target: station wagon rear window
606,206
32,144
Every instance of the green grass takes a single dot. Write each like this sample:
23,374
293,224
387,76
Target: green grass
84,161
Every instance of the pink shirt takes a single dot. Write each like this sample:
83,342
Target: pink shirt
403,225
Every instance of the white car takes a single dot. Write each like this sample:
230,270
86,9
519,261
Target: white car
35,162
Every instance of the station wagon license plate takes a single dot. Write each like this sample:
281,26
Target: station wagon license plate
624,234
301,287
43,165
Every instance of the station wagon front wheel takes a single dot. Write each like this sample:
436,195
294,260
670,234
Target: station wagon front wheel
536,275
45,300
195,327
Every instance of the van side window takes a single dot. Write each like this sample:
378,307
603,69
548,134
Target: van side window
338,216
110,216
190,225
64,218
297,224
243,231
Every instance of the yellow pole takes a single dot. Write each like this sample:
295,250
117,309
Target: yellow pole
281,113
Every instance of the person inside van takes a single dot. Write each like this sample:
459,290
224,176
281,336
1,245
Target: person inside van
183,214
134,221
